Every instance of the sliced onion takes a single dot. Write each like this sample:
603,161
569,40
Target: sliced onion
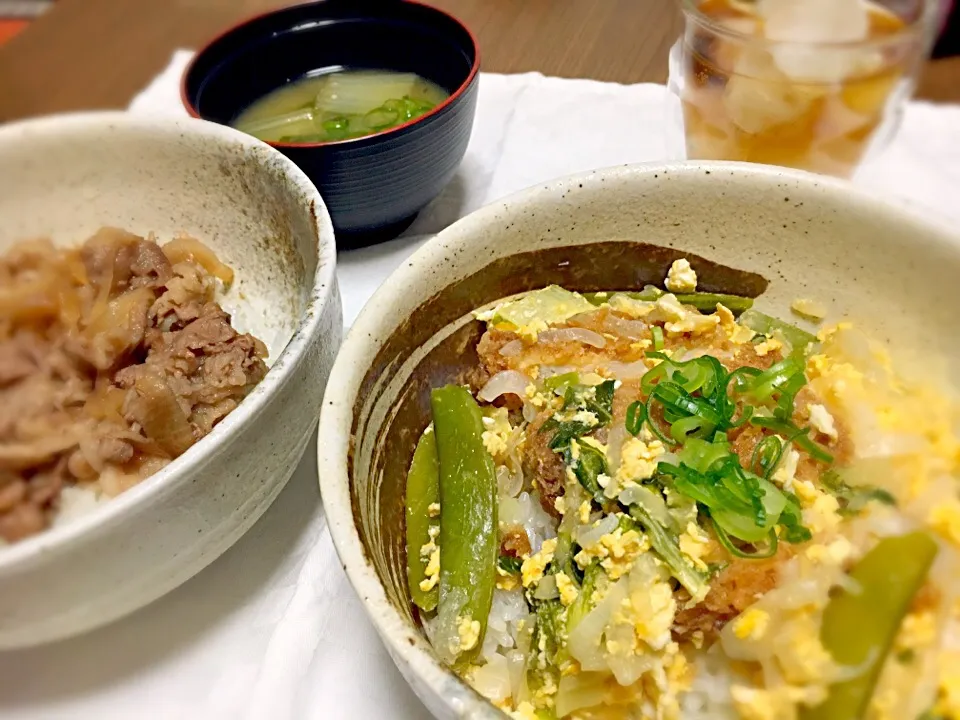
547,589
632,329
589,535
615,440
503,383
587,337
627,371
529,411
512,348
509,481
584,640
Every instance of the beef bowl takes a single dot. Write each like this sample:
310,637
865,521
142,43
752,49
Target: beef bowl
169,314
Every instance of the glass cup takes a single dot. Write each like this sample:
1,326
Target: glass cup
756,84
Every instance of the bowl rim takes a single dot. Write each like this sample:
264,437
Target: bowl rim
322,291
364,339
454,96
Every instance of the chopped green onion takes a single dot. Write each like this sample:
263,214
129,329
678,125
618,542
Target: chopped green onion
636,415
761,553
799,436
657,332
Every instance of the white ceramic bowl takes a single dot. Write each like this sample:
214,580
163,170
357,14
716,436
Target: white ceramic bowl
64,177
890,268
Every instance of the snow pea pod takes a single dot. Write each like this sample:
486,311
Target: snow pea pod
858,629
423,498
468,510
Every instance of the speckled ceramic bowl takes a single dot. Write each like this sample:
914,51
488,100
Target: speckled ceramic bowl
746,228
64,177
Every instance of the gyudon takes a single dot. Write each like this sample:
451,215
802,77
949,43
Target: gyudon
115,358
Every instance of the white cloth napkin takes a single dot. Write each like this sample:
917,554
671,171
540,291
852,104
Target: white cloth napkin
273,629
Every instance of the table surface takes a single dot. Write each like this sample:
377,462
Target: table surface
87,54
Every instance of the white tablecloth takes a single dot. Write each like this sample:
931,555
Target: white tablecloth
272,629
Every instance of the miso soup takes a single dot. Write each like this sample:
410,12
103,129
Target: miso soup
339,106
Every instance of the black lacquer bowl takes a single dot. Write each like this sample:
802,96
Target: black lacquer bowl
373,186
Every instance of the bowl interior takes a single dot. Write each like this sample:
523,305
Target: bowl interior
65,178
746,229
266,52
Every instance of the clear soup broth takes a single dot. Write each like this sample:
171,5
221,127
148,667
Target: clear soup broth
339,106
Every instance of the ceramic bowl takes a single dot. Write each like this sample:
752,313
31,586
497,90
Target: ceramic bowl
373,186
63,178
746,228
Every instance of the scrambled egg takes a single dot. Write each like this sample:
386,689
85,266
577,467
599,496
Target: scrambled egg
786,470
822,421
678,320
506,580
737,334
681,278
433,510
583,512
695,543
431,552
560,505
944,518
948,685
616,552
917,631
756,704
533,567
468,630
432,571
499,437
836,552
650,609
752,623
638,461
765,347
808,661
567,588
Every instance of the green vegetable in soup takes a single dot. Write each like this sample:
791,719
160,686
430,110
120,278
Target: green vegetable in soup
423,493
468,502
339,106
859,628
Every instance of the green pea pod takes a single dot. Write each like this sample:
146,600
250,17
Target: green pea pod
708,301
858,629
423,490
800,340
468,502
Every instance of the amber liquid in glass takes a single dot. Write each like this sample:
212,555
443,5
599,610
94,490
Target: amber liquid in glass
739,104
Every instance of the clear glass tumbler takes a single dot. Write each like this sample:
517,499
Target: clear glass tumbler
764,81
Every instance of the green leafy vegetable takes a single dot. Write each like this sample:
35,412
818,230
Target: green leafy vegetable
587,463
853,500
668,547
510,564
